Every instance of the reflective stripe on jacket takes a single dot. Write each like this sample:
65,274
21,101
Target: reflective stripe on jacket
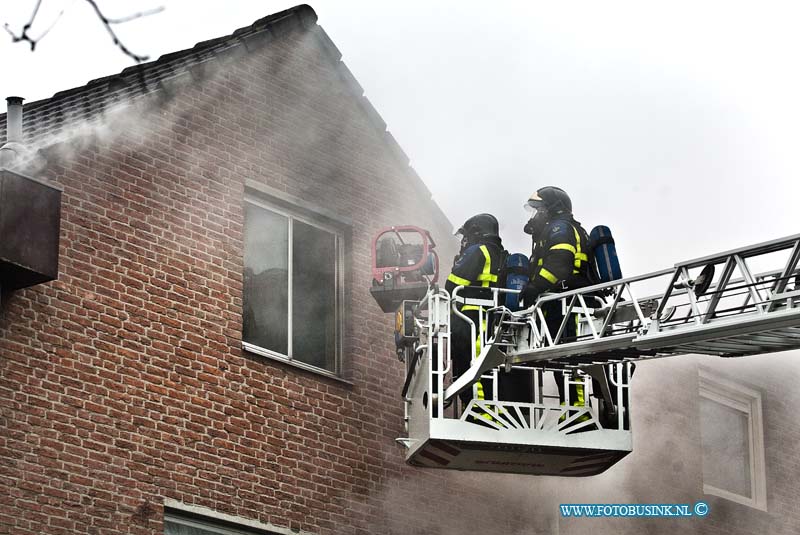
562,256
478,265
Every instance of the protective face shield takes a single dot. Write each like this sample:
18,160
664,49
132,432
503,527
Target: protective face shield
554,200
536,224
476,228
533,206
537,217
462,236
528,228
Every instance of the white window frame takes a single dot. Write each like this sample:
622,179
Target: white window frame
204,518
748,401
208,526
306,216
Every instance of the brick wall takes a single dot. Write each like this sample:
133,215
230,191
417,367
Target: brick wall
124,383
666,463
776,377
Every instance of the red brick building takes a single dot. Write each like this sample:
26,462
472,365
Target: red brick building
138,393
125,383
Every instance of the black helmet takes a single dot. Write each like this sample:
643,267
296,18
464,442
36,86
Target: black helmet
479,226
546,203
552,199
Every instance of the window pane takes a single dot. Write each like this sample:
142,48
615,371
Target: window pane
266,279
726,449
197,526
172,528
314,296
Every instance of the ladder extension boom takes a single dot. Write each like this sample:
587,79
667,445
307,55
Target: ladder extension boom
736,313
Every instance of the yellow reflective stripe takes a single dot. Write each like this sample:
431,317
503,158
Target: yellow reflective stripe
478,342
549,277
579,391
576,251
470,307
479,393
458,280
564,246
486,275
579,256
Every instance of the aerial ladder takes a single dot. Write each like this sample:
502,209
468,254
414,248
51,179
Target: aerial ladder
740,302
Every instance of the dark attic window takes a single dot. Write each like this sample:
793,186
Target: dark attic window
292,286
181,523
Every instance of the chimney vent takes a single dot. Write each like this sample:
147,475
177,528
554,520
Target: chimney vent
13,146
14,120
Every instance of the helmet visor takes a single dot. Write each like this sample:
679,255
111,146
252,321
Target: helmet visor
533,206
462,238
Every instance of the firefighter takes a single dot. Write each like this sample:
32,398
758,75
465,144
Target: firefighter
561,260
477,265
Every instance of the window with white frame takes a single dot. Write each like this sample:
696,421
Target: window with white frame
177,522
292,286
732,435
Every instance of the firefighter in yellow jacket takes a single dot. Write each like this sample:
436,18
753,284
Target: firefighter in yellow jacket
561,260
477,265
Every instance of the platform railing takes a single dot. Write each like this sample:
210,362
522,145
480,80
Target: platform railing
540,414
703,309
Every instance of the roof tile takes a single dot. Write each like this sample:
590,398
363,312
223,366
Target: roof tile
47,116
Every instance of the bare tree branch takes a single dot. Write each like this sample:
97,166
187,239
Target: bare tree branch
23,36
139,15
107,22
58,17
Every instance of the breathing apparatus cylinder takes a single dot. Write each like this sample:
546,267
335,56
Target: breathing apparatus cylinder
517,276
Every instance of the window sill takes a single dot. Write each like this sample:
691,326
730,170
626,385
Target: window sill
250,348
736,498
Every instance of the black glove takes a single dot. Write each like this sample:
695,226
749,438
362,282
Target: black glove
530,295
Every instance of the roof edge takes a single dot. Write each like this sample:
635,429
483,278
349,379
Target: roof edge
374,118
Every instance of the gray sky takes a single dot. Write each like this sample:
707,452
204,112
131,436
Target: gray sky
675,123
